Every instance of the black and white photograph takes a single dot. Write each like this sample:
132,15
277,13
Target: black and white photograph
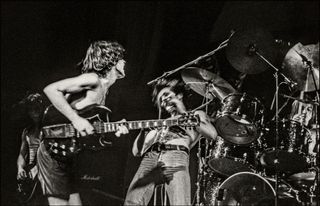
123,103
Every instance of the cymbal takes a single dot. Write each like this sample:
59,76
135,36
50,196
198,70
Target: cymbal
242,46
205,83
306,176
295,68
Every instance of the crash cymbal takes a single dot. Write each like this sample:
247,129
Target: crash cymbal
303,176
241,50
206,83
295,68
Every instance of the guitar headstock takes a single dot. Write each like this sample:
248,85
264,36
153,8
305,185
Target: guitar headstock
189,120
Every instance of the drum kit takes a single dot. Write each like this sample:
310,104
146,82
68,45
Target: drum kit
255,161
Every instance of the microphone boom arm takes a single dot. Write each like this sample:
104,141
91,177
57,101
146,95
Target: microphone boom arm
222,45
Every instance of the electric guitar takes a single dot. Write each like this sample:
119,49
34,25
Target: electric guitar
26,186
64,140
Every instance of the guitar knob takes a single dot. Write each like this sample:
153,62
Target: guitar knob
64,153
55,144
63,146
55,151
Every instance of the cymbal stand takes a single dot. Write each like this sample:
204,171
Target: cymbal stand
253,49
202,164
315,186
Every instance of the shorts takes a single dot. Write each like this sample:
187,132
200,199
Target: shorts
57,179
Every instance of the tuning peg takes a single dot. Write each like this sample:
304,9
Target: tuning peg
71,149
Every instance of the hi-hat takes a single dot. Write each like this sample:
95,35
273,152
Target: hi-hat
206,83
297,69
242,48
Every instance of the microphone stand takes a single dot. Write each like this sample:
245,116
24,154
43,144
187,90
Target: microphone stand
222,45
253,50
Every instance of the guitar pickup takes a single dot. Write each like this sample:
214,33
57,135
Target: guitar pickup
56,131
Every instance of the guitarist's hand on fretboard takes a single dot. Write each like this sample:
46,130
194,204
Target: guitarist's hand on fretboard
122,129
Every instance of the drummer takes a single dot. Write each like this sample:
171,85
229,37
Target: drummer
305,113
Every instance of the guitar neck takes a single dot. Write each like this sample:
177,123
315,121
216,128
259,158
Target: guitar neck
32,153
104,127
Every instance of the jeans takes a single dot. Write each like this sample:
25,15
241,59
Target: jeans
178,189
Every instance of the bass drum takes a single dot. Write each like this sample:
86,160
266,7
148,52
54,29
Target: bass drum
246,188
227,159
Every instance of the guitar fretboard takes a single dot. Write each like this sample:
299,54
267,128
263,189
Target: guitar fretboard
133,125
33,152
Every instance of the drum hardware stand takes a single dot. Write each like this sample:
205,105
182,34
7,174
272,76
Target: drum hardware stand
253,51
202,164
203,105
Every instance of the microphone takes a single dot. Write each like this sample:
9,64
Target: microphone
304,58
291,83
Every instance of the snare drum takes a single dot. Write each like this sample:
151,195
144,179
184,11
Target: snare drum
227,159
294,140
240,118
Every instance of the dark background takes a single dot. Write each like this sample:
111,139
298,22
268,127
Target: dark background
42,42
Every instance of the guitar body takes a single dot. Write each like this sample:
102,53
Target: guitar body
63,144
27,186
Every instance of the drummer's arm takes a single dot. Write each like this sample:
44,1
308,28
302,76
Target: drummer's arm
206,129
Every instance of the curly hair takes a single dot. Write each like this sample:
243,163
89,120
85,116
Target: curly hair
101,57
32,101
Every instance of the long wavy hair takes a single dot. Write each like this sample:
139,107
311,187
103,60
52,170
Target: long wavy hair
101,56
175,85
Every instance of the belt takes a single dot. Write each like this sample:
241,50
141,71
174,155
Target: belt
158,147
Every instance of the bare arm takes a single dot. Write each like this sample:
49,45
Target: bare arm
21,162
56,94
206,128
